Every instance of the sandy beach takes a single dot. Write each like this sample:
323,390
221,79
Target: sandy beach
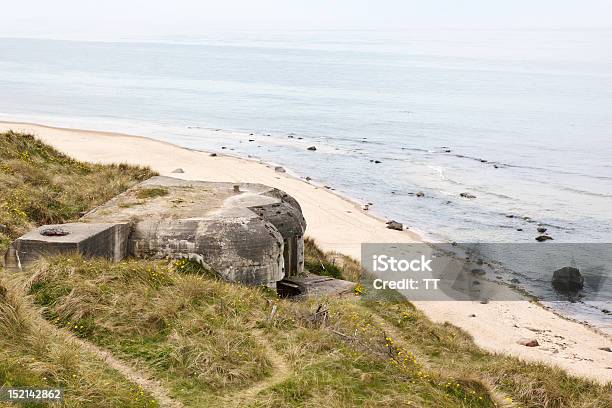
338,224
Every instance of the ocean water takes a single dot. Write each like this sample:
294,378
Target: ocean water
520,119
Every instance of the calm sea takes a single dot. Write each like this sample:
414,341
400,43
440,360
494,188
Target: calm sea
520,119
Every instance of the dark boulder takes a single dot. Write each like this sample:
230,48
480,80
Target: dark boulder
542,238
567,279
312,148
394,225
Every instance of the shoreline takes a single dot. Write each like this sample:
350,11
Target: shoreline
339,224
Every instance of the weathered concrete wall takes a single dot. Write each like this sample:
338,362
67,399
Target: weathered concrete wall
289,221
249,252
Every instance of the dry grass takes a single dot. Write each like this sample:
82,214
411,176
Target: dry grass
198,334
192,330
35,354
206,339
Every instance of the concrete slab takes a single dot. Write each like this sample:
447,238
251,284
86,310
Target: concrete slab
108,240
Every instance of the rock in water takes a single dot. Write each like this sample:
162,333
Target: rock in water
394,225
179,170
528,342
312,148
542,238
567,280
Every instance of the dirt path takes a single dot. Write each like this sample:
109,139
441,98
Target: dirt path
138,377
144,380
280,372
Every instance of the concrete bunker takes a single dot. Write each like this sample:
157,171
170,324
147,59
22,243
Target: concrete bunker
248,233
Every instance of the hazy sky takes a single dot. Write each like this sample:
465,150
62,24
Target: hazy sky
116,18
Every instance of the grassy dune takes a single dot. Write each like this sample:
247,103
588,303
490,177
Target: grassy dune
39,185
206,342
